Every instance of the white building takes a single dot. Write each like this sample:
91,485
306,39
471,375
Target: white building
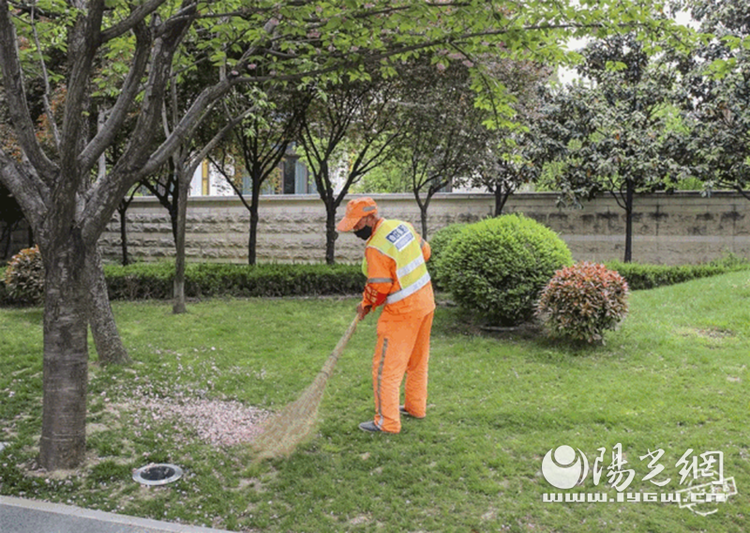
291,177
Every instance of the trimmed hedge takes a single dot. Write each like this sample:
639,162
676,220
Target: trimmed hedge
154,280
645,276
203,280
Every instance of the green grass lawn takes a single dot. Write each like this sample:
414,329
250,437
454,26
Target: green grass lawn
673,378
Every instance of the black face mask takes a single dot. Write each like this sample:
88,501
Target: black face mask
364,233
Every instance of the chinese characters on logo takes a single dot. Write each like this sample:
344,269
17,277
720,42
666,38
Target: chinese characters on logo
700,475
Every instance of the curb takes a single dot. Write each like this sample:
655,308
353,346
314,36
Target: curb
18,515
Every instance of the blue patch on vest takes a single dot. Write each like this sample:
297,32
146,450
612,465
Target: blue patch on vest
400,237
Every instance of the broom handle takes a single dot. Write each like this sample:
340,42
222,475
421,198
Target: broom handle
331,361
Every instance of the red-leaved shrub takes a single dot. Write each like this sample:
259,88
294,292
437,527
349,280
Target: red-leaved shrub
582,301
24,277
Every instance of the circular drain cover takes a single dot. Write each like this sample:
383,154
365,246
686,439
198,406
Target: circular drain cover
160,474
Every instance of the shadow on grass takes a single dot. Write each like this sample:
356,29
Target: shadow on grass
25,314
451,321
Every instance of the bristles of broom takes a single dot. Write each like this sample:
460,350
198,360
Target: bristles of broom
292,425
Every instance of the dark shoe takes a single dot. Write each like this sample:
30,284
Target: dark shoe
403,411
370,427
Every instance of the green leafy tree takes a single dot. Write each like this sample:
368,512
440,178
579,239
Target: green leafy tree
109,157
446,131
261,140
46,98
185,160
714,145
616,145
354,126
514,154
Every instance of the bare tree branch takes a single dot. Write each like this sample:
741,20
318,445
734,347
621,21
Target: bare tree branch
137,16
124,102
24,183
216,139
15,93
106,193
82,45
45,79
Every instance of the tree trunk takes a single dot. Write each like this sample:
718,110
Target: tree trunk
124,235
183,184
103,327
423,207
629,194
63,441
423,219
501,196
422,212
252,243
174,216
331,233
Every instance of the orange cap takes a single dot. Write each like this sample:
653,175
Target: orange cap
355,210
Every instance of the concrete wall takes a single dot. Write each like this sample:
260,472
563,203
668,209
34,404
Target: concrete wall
668,229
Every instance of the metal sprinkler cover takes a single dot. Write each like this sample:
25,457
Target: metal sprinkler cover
157,474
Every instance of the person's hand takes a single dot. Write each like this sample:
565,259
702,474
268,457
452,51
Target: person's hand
363,310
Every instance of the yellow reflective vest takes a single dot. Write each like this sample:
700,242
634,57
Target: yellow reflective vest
399,241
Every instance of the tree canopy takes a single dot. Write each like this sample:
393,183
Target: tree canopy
714,145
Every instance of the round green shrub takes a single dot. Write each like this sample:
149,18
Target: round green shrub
24,277
582,301
498,267
438,243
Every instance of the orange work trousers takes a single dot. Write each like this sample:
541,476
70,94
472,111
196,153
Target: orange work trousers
403,347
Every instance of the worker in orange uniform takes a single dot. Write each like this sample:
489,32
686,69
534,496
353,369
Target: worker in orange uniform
397,276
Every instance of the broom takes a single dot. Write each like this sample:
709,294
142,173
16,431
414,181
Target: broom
293,424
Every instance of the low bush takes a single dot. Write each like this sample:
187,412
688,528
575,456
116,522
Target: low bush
203,280
646,276
155,280
582,301
496,268
24,277
140,281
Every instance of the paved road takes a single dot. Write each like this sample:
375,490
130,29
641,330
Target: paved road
29,516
